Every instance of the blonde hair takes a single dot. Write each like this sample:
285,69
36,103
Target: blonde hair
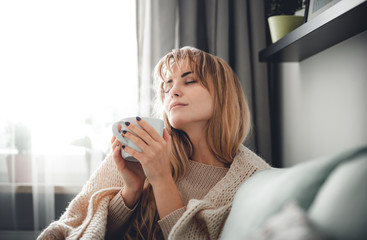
226,130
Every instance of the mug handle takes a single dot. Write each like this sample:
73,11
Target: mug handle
116,133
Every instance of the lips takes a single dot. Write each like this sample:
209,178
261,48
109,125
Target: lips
176,104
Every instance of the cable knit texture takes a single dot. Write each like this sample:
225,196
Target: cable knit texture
204,219
207,202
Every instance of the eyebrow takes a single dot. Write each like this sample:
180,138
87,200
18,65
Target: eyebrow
185,74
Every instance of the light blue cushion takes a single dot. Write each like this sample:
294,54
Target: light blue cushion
267,191
340,208
289,224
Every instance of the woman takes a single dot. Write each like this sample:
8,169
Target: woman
185,181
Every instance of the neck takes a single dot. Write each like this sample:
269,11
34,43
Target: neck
202,152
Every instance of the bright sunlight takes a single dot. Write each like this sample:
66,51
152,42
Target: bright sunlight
68,69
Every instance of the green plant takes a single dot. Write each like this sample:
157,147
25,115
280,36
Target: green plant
283,7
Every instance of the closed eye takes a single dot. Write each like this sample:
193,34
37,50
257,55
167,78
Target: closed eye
168,87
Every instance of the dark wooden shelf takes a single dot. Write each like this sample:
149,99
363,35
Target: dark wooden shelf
336,24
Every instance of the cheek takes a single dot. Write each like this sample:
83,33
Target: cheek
209,109
207,103
165,106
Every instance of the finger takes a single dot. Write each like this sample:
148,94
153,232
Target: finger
136,140
113,136
149,129
115,143
140,133
136,154
166,135
117,152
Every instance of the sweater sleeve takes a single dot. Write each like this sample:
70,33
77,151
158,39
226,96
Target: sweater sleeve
118,213
87,212
170,220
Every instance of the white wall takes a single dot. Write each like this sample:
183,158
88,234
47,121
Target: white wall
323,103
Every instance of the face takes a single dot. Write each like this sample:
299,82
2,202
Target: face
186,102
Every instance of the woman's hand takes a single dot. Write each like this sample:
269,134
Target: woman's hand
155,160
132,174
156,150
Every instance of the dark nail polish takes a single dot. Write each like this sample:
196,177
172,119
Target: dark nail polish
138,118
124,131
123,146
118,144
127,123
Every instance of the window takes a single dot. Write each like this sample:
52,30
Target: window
68,69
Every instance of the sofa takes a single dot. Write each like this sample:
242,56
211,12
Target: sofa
324,198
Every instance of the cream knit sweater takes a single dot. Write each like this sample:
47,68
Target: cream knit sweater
198,181
86,216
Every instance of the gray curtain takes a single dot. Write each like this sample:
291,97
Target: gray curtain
231,29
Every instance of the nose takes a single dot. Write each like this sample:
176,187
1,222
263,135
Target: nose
175,91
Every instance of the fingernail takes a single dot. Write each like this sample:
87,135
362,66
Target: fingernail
138,118
124,131
127,123
123,146
118,144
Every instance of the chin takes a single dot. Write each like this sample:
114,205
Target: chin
177,125
177,122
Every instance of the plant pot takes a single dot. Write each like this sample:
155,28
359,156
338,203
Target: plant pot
283,24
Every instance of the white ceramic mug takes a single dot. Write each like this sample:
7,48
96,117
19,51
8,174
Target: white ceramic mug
156,123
